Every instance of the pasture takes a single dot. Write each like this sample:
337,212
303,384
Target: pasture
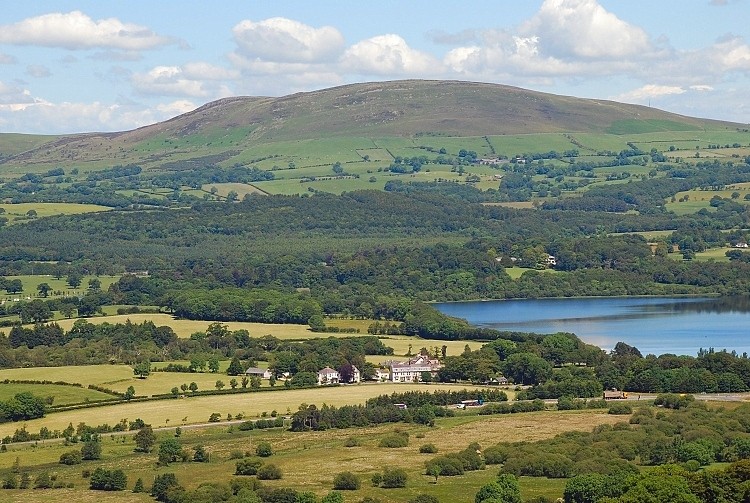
19,212
61,394
59,286
197,409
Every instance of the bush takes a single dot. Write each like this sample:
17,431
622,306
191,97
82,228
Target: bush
352,442
248,466
496,455
620,409
71,458
346,481
447,466
108,480
428,449
424,498
43,481
269,472
394,440
263,449
91,450
393,478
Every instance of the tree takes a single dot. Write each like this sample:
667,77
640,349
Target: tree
337,168
213,364
74,280
244,381
138,487
91,450
163,485
14,286
527,368
200,455
170,450
95,284
193,387
142,369
505,489
71,458
219,385
233,383
235,367
44,289
255,382
145,439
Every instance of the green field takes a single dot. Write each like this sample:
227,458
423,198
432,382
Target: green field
197,409
310,460
18,212
60,287
62,395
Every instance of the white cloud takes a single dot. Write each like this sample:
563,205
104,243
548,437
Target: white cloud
584,29
38,71
168,81
175,108
648,91
389,55
14,97
7,59
701,88
76,30
284,40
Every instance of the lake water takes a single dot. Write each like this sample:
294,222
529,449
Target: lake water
654,325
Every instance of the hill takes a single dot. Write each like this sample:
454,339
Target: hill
229,130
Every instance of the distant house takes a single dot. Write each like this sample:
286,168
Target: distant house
413,369
258,372
382,374
328,376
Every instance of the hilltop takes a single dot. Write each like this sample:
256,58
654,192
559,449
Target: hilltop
224,131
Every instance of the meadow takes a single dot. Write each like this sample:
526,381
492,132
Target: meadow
197,409
61,394
59,286
19,212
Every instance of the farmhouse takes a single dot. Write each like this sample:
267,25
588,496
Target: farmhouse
412,370
328,376
258,372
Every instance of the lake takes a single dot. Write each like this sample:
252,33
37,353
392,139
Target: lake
655,325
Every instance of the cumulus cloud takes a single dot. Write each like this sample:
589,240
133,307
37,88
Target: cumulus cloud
284,40
76,30
584,29
14,97
194,80
389,55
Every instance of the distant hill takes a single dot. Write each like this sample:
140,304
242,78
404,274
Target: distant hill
223,129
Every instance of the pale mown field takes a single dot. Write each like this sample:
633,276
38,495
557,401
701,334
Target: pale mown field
184,328
198,409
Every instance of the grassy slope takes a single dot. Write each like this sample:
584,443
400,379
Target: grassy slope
354,116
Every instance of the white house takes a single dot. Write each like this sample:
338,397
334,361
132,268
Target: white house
328,376
258,372
412,369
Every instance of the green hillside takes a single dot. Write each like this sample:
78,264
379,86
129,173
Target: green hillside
348,121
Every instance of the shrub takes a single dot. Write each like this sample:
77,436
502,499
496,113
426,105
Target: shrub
163,485
331,497
248,466
71,458
43,481
236,454
269,472
263,449
496,455
91,450
620,409
346,481
447,466
428,449
393,478
108,480
352,442
424,498
394,440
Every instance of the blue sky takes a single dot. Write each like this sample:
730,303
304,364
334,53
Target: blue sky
73,66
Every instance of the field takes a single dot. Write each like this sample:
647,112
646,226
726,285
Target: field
18,213
62,395
310,460
60,287
192,410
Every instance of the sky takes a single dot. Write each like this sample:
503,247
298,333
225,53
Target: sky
92,65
